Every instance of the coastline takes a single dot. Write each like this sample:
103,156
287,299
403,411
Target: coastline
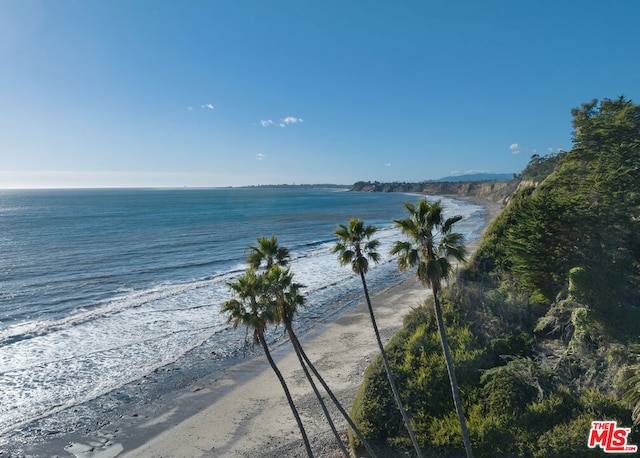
249,416
241,411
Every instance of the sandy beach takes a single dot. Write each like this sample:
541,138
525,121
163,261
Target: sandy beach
250,416
243,411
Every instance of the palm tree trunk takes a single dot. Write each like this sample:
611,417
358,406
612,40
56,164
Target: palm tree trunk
296,347
405,417
333,398
452,374
305,439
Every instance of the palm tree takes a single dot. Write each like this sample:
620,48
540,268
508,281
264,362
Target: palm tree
270,256
430,247
286,300
356,247
267,253
253,308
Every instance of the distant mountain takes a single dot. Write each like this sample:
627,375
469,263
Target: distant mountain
477,177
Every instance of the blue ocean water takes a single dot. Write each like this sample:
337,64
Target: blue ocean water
101,288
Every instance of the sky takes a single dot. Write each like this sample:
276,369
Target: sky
109,93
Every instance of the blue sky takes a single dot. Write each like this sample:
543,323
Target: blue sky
231,93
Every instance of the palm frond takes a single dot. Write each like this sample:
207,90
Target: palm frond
430,243
355,246
446,227
422,275
408,259
267,253
407,226
399,247
452,246
360,264
346,257
410,207
342,232
373,256
434,214
371,245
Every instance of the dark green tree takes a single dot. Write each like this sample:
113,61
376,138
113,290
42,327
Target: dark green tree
356,247
610,122
430,247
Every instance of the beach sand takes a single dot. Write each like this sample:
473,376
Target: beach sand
243,411
251,417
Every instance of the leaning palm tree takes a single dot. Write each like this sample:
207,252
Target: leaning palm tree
286,300
430,247
269,256
252,307
356,247
288,313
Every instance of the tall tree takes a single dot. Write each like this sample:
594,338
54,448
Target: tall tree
286,300
356,247
252,307
430,246
271,257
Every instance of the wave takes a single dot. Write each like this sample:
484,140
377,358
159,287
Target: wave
131,299
67,382
134,315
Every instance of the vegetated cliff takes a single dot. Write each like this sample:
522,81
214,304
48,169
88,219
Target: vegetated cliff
544,320
493,191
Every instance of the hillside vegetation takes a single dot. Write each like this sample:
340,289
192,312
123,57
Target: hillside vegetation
541,321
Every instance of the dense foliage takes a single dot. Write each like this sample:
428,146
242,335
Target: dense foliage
541,320
540,167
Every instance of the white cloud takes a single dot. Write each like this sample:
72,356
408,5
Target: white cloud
190,108
388,164
289,120
260,156
284,122
514,148
208,106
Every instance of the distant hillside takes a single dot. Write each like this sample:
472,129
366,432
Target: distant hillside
496,187
300,186
477,177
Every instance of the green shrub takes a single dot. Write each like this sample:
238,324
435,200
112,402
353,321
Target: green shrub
512,345
374,411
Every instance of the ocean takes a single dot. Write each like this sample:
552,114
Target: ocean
110,297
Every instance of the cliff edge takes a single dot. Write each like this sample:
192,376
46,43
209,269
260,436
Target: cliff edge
493,191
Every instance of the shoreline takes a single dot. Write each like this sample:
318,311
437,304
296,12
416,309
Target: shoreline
241,411
249,416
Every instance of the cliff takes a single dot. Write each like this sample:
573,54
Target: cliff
493,191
